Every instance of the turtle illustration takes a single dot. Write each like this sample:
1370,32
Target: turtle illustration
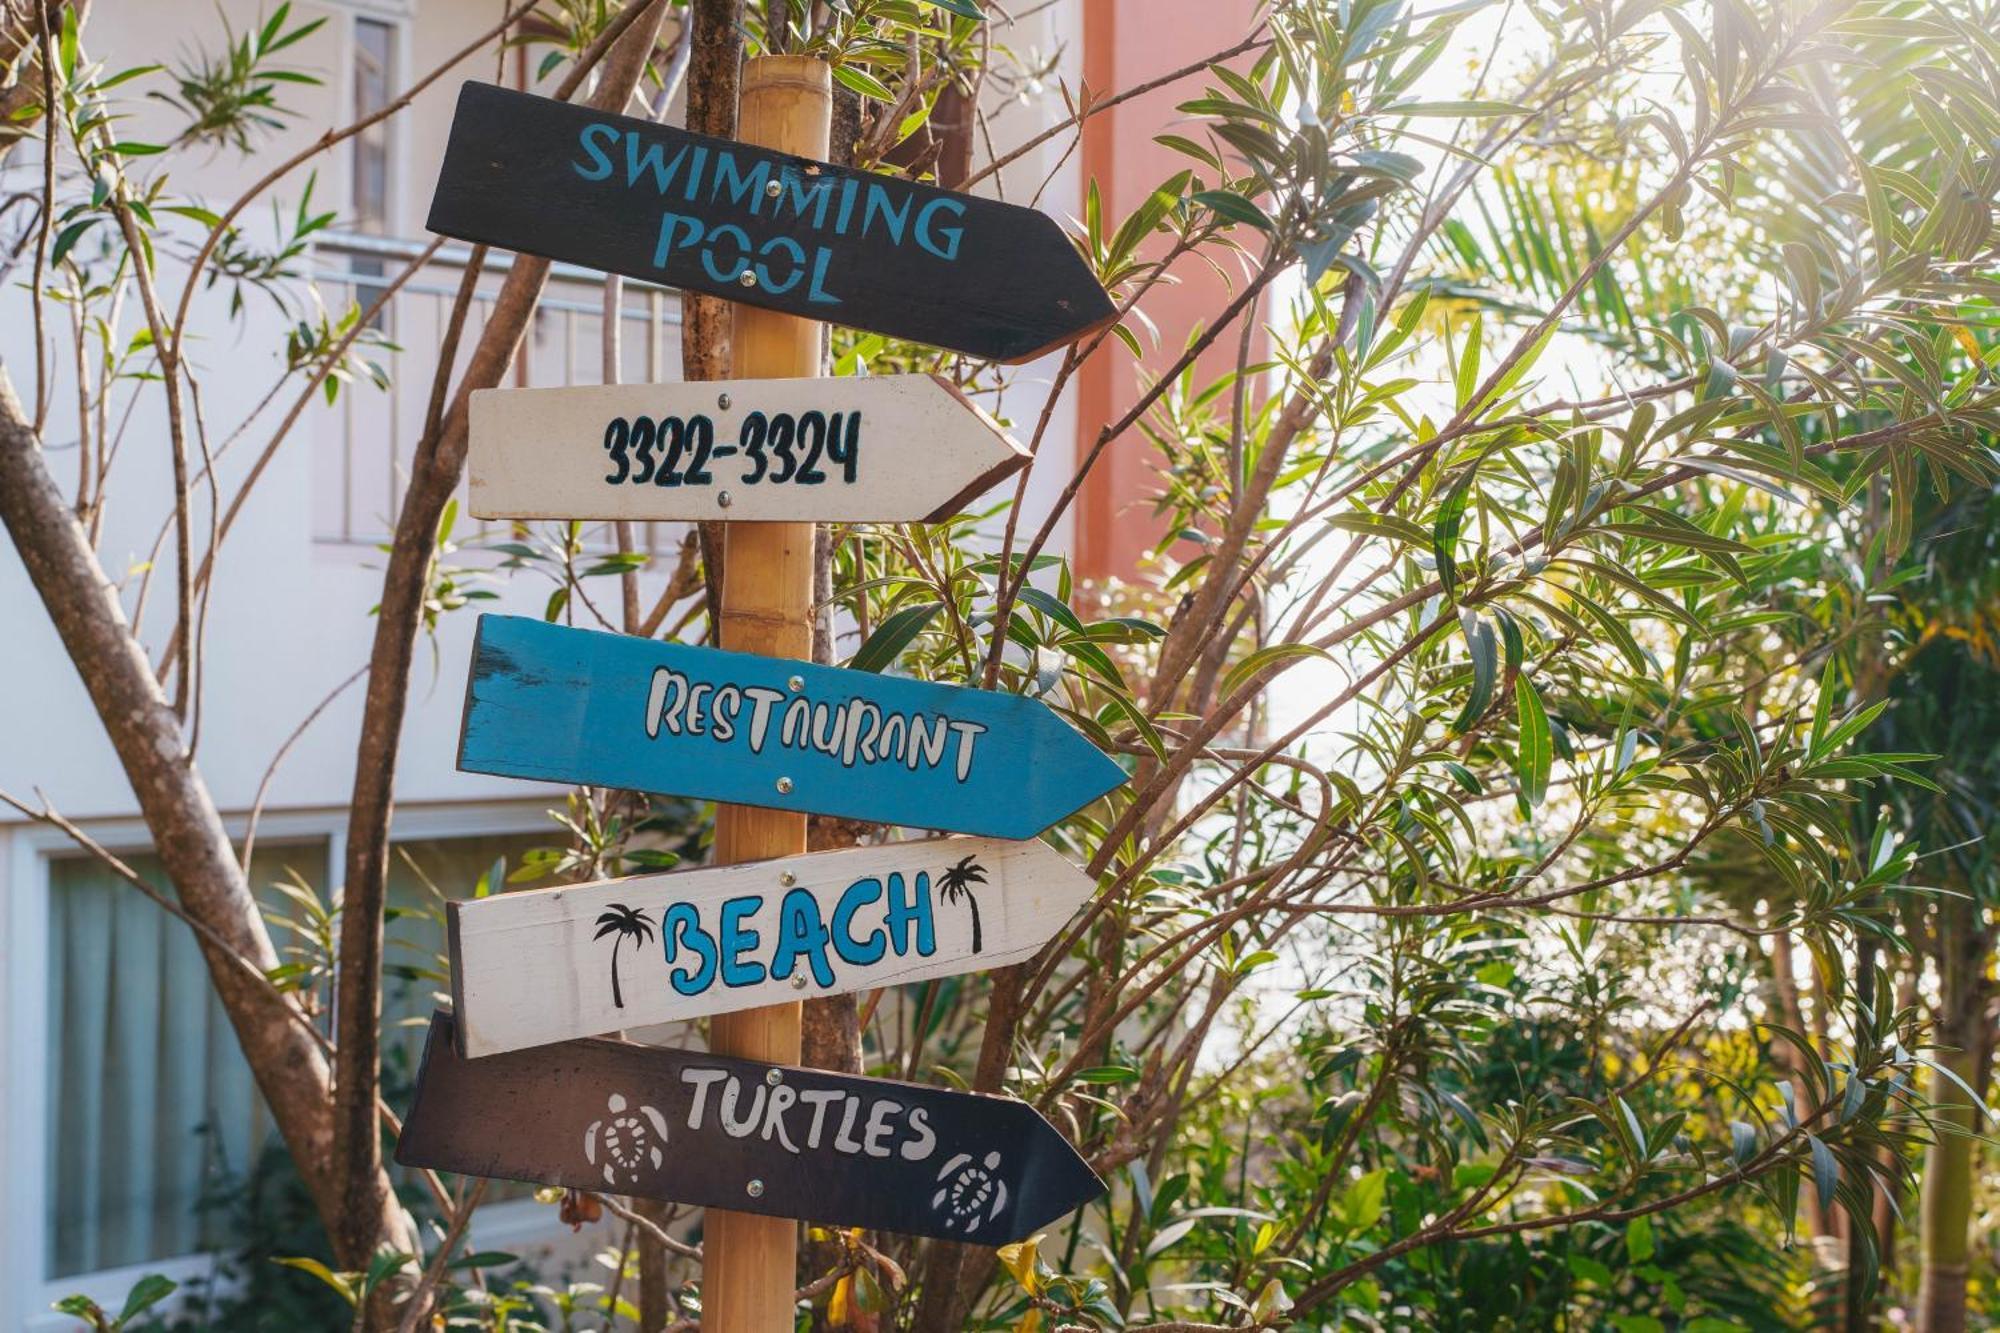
969,1193
628,1142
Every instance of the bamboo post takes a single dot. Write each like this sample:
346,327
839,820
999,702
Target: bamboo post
749,1262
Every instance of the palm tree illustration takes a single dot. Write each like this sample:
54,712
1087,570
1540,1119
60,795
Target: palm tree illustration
628,923
957,882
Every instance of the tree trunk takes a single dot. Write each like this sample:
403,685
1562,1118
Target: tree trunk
715,69
715,61
185,827
434,478
1946,1207
1859,1301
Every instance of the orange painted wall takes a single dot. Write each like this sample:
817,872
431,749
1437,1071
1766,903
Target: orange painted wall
1128,42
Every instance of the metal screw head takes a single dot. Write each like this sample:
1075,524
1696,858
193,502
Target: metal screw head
747,278
772,189
774,1076
724,499
787,878
795,684
722,401
755,1189
784,786
798,981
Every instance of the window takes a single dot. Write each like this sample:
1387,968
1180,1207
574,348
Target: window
150,1103
151,1109
374,55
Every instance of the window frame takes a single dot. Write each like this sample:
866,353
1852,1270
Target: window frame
397,17
26,851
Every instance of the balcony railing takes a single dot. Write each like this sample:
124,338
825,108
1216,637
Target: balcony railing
363,443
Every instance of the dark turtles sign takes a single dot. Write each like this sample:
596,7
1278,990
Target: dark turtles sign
852,247
719,1132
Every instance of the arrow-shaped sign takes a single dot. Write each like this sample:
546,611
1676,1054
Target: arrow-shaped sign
612,710
554,964
875,252
882,449
719,1132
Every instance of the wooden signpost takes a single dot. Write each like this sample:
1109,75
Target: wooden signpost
792,240
555,964
767,597
762,227
571,705
747,1136
887,449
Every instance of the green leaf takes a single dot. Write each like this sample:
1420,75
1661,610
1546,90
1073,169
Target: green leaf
1469,110
1445,529
1639,1239
1362,1202
1140,722
206,217
1485,666
1742,1142
1263,658
1826,1171
67,238
147,1292
1466,374
1105,1074
861,81
125,75
84,1308
1052,607
893,635
1587,1269
387,1263
66,47
340,1282
1535,751
962,8
1394,166
1233,206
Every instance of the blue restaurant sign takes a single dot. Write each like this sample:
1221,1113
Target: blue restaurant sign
579,706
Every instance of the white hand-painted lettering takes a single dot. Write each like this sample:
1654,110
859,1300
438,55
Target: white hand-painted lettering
854,731
700,1079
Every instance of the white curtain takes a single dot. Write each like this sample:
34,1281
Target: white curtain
150,1102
